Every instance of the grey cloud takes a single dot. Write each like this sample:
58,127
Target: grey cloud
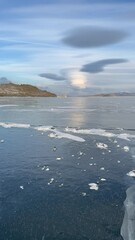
90,36
52,76
98,66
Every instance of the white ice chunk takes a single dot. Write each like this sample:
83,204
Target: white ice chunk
131,173
51,181
102,168
53,135
58,158
80,153
125,136
93,186
44,128
68,136
61,185
22,187
128,225
103,179
84,194
126,148
102,145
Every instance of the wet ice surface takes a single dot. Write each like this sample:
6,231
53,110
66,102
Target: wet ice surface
53,186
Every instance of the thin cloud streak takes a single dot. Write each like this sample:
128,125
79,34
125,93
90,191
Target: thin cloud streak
98,66
52,76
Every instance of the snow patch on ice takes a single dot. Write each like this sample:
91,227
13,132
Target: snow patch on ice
14,125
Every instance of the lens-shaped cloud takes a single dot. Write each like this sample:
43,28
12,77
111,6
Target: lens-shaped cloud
52,76
90,37
98,66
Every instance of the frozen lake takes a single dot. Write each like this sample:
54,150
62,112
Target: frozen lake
66,164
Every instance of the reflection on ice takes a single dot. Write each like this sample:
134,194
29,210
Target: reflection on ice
128,226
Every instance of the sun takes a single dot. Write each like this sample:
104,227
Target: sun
78,80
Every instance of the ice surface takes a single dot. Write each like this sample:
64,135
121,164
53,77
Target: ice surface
128,225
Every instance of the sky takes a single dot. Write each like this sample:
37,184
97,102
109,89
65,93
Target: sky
75,48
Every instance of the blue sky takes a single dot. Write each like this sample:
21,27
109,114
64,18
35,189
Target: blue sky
76,47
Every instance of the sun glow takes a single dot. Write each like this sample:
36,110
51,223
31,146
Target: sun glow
78,80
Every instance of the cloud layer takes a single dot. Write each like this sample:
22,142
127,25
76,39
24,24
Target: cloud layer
91,36
52,76
98,66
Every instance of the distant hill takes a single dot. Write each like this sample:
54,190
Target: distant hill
115,94
23,90
4,80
